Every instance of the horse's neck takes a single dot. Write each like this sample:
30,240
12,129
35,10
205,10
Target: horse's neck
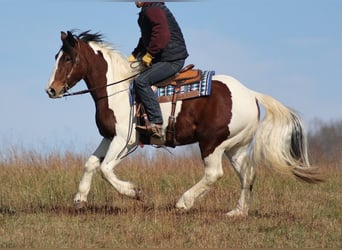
118,66
119,93
117,69
112,97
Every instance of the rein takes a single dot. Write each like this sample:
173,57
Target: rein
95,88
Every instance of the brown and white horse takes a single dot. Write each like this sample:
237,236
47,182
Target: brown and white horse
226,122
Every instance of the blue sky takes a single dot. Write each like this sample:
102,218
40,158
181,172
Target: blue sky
291,50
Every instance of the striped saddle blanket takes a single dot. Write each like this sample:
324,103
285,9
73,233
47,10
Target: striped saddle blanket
165,91
185,91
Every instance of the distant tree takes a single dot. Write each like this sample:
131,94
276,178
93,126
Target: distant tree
325,142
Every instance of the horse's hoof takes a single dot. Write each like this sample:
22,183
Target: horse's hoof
149,203
181,208
237,213
80,205
181,211
184,204
139,195
147,200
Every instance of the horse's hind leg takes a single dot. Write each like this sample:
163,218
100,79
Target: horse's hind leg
213,171
246,173
90,167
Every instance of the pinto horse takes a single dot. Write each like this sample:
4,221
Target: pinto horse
227,122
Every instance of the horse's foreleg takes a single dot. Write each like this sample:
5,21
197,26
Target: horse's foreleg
123,187
213,171
89,169
246,173
107,166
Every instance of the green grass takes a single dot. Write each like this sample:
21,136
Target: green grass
36,210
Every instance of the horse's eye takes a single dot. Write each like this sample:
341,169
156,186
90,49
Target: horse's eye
67,59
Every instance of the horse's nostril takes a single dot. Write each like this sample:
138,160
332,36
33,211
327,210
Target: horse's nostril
51,92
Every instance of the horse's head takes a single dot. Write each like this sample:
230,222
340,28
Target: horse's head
69,68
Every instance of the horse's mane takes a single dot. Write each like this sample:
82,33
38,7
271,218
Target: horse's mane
117,58
107,48
86,36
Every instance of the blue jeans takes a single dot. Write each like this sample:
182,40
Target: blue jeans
142,83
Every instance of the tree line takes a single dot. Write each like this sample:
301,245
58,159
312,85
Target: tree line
325,142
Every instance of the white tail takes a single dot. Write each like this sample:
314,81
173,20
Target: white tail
280,142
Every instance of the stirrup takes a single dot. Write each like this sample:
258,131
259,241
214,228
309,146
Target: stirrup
157,131
154,130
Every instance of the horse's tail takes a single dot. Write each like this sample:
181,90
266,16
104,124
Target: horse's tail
280,142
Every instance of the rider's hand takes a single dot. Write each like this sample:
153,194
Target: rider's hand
147,59
131,58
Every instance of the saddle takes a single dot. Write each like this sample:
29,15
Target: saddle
186,76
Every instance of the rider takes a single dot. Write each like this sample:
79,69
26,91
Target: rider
162,49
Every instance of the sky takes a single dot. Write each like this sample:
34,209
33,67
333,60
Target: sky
289,49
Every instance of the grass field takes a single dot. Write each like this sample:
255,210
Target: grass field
36,209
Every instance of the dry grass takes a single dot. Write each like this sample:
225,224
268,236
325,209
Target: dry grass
36,206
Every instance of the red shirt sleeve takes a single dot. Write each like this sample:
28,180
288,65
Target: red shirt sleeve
160,33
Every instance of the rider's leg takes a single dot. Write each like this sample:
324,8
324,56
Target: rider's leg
159,71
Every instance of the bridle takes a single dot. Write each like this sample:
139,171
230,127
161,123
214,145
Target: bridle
76,62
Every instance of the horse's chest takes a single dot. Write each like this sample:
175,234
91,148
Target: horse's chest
105,120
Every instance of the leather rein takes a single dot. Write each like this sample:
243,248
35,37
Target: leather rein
81,92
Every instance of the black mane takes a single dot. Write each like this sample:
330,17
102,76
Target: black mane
86,36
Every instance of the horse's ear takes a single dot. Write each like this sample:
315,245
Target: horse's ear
71,39
69,34
63,35
68,38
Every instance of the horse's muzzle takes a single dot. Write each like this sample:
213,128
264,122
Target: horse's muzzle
55,93
51,92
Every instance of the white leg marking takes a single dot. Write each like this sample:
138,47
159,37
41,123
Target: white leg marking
246,173
123,187
213,171
90,167
108,165
84,187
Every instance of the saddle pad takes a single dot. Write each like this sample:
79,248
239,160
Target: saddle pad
201,88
